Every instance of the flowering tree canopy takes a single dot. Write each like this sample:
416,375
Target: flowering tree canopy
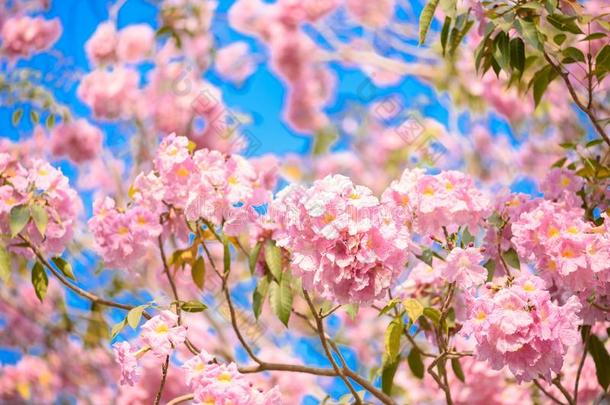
440,235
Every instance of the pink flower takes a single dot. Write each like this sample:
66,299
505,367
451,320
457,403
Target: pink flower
429,202
373,15
101,47
162,333
562,183
25,36
79,140
343,242
39,184
517,325
125,356
123,238
111,94
135,42
462,266
233,62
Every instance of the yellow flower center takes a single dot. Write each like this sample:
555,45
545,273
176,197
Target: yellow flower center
428,191
225,377
163,328
123,230
182,172
529,286
565,181
552,232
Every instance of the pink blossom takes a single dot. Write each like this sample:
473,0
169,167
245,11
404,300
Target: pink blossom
135,42
111,94
25,36
462,266
233,62
516,324
371,14
40,184
162,333
123,238
101,47
126,357
78,140
561,183
429,202
343,243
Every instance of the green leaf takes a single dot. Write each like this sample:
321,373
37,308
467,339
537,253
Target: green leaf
5,264
18,219
594,142
425,19
433,314
64,266
34,117
253,259
541,81
457,369
530,34
40,281
560,162
564,23
573,55
490,265
390,366
502,50
259,295
193,306
594,36
280,298
40,217
413,308
16,117
512,258
467,237
602,62
559,39
517,54
273,258
50,122
135,315
602,361
198,272
117,328
445,33
392,338
415,363
352,310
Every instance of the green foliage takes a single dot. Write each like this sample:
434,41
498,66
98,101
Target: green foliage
425,19
602,361
40,281
198,272
416,364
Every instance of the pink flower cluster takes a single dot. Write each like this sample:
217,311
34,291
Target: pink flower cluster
78,140
567,251
222,384
293,54
430,202
25,36
123,237
130,45
161,335
516,324
38,184
110,93
201,185
344,243
463,267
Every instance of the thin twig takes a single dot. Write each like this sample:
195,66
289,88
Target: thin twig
164,368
